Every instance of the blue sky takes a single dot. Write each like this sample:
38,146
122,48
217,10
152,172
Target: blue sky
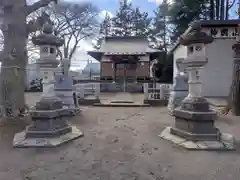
110,6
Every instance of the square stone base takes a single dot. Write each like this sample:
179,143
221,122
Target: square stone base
225,143
20,140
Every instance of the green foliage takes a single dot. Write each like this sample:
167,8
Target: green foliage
106,25
164,68
141,22
128,21
159,29
122,22
183,12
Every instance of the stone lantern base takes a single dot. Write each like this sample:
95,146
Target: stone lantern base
49,128
194,127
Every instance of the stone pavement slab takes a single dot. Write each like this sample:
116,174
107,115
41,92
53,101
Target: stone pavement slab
20,139
226,142
122,98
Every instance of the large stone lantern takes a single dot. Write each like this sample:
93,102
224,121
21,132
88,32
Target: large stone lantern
194,120
50,127
47,62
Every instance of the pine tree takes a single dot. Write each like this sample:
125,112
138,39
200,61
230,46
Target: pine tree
183,12
105,30
106,26
159,28
122,22
141,22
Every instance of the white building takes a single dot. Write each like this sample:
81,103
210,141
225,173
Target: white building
217,76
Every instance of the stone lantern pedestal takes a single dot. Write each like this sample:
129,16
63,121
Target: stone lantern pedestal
49,128
194,120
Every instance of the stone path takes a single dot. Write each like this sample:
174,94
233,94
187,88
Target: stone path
122,98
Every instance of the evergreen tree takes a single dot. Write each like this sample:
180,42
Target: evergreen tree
122,22
183,12
106,26
140,22
159,29
105,30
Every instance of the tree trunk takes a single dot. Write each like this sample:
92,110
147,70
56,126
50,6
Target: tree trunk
234,98
14,60
217,9
212,9
226,9
222,9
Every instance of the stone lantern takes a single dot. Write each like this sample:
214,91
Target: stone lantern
47,62
49,127
194,120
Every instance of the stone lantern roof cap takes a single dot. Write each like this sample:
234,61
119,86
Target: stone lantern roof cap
196,36
47,37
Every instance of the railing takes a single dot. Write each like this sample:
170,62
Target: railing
156,91
86,89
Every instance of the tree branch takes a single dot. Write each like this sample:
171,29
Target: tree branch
231,5
37,5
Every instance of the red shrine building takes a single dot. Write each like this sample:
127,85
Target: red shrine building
125,59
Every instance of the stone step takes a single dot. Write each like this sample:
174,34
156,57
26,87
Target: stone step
121,105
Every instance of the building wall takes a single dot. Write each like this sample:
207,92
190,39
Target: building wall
107,69
179,52
143,69
217,74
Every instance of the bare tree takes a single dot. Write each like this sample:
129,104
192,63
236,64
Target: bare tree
14,57
74,23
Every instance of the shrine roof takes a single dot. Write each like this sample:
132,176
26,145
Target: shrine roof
208,24
127,45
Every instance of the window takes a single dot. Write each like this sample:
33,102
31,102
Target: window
190,50
52,50
44,49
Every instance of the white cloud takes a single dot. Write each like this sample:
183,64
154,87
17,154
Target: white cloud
159,1
103,13
80,58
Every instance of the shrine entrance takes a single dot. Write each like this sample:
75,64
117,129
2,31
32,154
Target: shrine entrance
125,73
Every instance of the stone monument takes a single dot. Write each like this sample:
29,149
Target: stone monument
64,88
194,120
49,127
180,87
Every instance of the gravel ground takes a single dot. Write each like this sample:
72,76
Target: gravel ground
119,144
